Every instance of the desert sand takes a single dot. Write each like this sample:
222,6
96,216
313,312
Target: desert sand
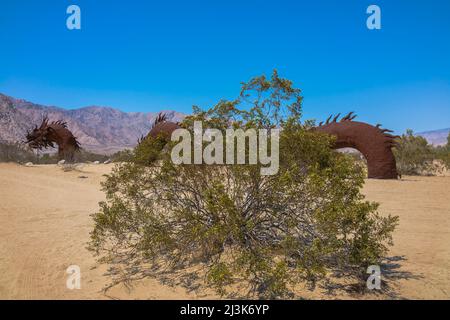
45,223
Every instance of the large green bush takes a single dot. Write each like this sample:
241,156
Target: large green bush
250,233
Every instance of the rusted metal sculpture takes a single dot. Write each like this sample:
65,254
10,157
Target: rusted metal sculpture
373,142
47,134
161,126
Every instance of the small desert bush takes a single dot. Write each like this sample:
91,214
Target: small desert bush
125,155
260,234
21,153
415,156
15,152
87,156
443,153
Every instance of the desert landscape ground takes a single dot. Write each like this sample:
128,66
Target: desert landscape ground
45,225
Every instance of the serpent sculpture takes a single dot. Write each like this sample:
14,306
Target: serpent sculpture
47,134
373,142
161,126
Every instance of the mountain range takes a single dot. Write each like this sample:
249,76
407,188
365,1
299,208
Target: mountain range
102,130
436,137
99,129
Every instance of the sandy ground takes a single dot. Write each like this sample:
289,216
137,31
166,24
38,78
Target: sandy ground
45,225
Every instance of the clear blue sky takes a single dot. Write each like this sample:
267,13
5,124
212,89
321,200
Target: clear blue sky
151,55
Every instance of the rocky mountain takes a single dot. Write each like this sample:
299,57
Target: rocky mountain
99,129
102,129
436,137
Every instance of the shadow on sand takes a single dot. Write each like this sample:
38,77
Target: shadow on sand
128,271
390,273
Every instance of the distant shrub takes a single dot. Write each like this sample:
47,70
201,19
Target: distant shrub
20,153
125,155
87,156
415,156
16,152
443,153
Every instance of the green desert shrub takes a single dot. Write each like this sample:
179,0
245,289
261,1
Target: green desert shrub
149,150
443,153
250,234
125,155
415,156
15,152
20,153
87,156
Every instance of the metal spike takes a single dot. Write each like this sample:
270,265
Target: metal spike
390,136
347,117
160,118
335,118
328,120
